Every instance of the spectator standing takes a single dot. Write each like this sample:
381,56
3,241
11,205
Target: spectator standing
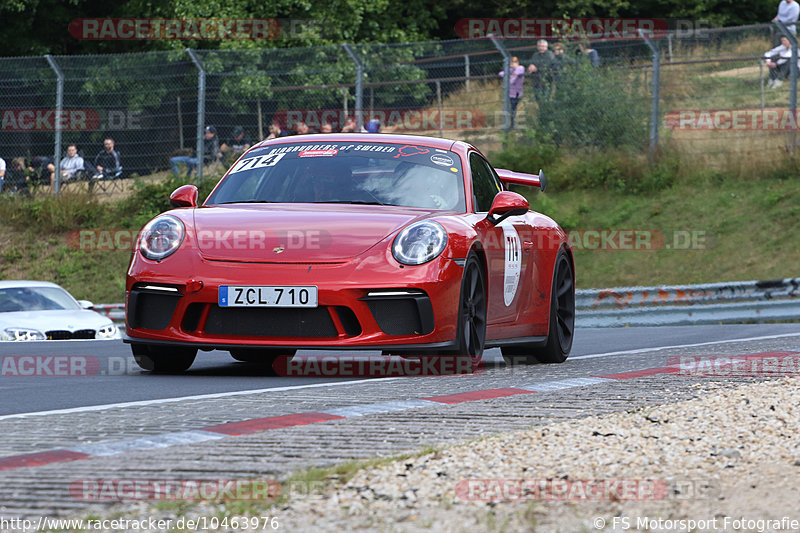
70,164
107,162
778,63
541,68
515,81
559,58
2,173
788,12
211,153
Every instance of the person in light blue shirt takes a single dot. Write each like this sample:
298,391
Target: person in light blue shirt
788,12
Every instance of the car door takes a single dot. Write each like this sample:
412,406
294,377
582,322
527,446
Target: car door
503,245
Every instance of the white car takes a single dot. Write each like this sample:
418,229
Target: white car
39,310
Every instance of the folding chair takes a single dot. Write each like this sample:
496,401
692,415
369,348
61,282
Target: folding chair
107,182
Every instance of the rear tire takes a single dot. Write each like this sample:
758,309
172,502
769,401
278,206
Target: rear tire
562,321
163,358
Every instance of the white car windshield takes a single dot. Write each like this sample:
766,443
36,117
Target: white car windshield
341,172
16,299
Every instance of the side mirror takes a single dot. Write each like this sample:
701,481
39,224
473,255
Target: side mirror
507,204
185,196
85,304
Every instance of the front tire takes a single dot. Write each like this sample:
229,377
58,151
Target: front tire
471,331
163,358
562,321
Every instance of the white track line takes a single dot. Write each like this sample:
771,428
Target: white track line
658,348
142,403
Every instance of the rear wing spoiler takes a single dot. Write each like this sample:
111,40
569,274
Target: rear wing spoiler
508,176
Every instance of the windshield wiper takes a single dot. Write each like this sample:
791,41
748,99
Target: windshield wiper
359,202
247,202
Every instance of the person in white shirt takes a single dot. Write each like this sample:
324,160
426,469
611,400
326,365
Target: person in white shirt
788,12
71,164
2,173
778,63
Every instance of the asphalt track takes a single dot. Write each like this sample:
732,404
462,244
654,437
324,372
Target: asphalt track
115,379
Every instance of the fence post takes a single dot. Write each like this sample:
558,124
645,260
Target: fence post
792,82
59,109
466,70
439,104
655,92
506,82
201,109
359,105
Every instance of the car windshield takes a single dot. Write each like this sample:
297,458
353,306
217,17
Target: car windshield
35,299
342,172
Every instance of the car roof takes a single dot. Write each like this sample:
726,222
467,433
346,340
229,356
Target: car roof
13,284
431,142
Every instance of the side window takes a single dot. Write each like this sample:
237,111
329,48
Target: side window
484,183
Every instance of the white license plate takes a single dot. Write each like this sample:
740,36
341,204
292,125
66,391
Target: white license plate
267,296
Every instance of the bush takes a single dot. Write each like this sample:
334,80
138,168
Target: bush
594,108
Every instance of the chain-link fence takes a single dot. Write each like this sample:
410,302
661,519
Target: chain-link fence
658,92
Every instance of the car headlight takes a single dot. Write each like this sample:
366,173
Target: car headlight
419,243
22,334
107,332
161,237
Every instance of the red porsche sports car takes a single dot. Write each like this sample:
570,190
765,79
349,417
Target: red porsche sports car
352,241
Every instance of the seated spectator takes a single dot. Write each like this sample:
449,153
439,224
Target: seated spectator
17,177
107,163
211,153
276,130
237,143
42,169
589,54
373,126
71,164
778,63
349,125
326,128
301,128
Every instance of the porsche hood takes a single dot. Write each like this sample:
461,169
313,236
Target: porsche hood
296,233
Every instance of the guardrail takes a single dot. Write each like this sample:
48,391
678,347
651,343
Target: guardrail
712,303
669,305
